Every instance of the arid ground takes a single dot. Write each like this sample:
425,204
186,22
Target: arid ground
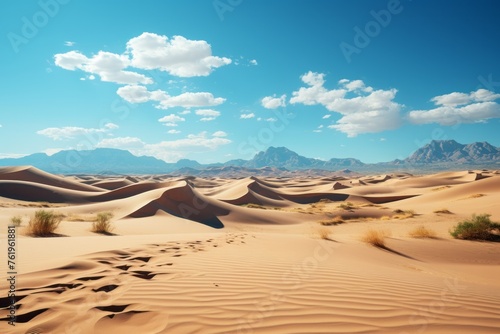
251,255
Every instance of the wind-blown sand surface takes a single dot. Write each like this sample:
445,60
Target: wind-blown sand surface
196,255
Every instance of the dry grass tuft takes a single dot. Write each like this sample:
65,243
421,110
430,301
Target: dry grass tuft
403,214
443,211
476,195
422,232
385,218
333,221
375,237
44,223
346,206
254,206
16,221
102,224
440,188
324,233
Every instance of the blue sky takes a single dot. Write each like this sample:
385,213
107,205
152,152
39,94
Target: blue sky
216,80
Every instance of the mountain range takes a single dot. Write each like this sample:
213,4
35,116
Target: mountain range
438,154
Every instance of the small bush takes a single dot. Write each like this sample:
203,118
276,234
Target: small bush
346,206
334,221
403,214
375,238
44,223
16,221
444,211
479,227
324,233
254,206
103,223
422,232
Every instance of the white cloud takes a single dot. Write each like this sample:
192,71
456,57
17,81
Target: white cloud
327,116
254,62
455,108
173,132
169,151
140,94
247,116
108,66
219,134
208,114
363,109
317,131
171,119
178,56
273,102
69,43
185,112
70,132
271,119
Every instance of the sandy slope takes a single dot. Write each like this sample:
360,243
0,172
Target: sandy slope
194,255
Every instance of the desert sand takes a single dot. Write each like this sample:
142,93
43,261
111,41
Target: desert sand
250,255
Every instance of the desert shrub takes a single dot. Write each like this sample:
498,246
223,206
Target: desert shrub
324,233
333,221
443,211
346,206
479,227
44,223
102,223
375,238
16,221
422,232
403,214
254,206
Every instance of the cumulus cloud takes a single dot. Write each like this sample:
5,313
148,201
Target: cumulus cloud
173,132
140,94
247,116
110,67
171,150
171,120
207,114
219,134
327,116
273,102
455,108
178,56
69,43
254,62
363,109
70,132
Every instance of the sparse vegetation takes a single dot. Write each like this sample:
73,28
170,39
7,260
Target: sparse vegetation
385,218
333,221
254,206
16,221
444,211
403,214
476,195
422,232
479,227
44,223
103,223
441,188
375,237
324,233
346,206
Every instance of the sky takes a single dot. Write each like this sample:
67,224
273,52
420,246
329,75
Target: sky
216,80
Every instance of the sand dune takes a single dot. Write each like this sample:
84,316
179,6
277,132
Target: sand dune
244,255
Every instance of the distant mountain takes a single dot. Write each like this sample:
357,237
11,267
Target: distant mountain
98,161
438,154
283,157
449,151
